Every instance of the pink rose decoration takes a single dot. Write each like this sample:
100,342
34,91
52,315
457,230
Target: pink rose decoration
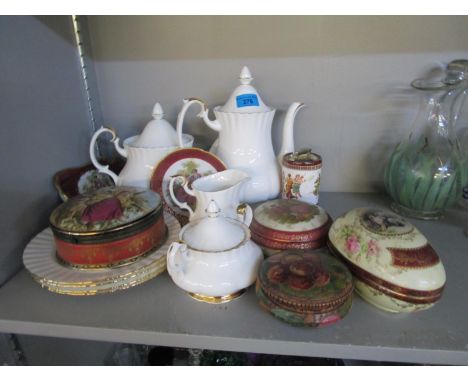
372,248
352,244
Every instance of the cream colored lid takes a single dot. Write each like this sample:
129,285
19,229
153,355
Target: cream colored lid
245,98
213,233
158,132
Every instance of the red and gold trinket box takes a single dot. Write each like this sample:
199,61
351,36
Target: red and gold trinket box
289,224
109,227
395,267
305,288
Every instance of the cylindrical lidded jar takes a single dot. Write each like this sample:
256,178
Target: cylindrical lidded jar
300,176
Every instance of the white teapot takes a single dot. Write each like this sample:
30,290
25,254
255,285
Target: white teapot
244,126
143,152
215,260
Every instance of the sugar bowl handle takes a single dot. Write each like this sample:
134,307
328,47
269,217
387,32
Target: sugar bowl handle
176,251
183,205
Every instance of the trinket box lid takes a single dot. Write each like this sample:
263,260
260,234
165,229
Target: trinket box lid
290,215
386,251
305,282
158,132
104,210
214,233
245,98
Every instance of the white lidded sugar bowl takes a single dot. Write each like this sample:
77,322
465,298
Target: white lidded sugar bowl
214,260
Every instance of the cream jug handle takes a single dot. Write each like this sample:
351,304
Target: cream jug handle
244,214
115,140
215,125
176,249
183,205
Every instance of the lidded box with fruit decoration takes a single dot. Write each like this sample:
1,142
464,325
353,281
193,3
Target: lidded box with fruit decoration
305,288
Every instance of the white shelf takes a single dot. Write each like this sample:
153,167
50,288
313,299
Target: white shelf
158,313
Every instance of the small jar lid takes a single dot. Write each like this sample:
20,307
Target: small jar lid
104,210
214,233
245,98
312,284
302,159
387,252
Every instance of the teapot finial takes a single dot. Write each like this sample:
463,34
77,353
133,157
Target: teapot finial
158,112
245,76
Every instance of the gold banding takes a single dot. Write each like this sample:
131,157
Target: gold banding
216,299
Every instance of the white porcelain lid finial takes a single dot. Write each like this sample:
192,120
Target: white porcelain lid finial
158,112
245,76
245,98
158,132
212,210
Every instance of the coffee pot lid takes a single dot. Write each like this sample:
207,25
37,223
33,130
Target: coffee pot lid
214,233
245,98
158,132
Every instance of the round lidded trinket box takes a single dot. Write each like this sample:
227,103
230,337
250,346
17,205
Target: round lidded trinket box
305,288
395,267
109,227
289,224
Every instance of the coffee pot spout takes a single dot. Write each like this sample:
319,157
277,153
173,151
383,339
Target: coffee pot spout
287,143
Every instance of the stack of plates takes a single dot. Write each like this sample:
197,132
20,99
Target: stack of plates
41,261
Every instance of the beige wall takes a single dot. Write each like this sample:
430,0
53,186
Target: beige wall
352,72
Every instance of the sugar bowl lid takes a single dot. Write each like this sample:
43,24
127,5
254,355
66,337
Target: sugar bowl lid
305,282
245,98
158,132
384,248
214,233
106,209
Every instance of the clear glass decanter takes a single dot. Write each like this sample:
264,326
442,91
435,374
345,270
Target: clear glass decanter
460,122
423,174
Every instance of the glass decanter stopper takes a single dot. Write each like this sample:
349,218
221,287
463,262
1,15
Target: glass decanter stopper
423,174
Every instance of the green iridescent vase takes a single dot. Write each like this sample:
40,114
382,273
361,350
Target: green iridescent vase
423,175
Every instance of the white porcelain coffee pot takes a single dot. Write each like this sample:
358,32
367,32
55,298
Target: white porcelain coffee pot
226,188
143,152
244,143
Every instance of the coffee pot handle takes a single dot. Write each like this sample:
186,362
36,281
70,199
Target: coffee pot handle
115,141
203,114
183,205
245,214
